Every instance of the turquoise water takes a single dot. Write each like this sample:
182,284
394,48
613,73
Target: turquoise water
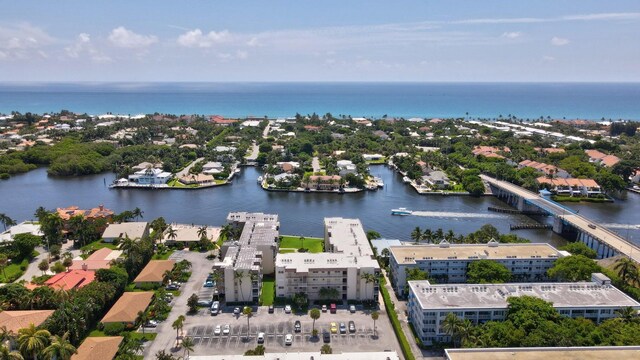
489,100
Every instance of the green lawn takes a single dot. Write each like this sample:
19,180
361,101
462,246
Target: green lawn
268,290
163,256
13,271
315,245
377,162
134,335
97,245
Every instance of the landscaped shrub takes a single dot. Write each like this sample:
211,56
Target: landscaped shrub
112,329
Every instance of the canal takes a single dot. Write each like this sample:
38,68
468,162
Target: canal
300,213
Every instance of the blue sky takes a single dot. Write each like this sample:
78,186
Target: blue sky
144,40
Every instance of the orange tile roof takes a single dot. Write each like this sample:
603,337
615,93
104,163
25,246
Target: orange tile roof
20,319
595,154
71,211
609,160
98,260
127,307
154,271
72,279
589,183
98,348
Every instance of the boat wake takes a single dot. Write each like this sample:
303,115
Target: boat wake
622,226
446,214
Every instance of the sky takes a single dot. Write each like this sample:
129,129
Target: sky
329,40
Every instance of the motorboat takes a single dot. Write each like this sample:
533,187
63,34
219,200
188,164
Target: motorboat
406,180
401,211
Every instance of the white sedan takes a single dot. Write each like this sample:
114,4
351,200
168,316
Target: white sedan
288,339
217,330
287,309
226,330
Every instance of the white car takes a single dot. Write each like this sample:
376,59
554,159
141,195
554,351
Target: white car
226,330
287,309
352,309
260,338
288,339
217,330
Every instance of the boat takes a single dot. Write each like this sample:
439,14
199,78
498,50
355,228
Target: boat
379,182
401,212
259,179
406,180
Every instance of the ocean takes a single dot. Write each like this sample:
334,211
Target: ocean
475,100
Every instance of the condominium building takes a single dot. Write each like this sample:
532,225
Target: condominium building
429,304
245,261
447,263
338,273
545,353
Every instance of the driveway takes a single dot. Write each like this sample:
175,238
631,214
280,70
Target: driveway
32,269
166,337
315,164
185,171
255,150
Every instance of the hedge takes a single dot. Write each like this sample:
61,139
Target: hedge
397,328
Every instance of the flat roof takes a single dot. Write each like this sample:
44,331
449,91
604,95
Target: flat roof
127,307
379,355
303,262
563,353
154,271
103,348
185,232
245,216
134,230
409,254
347,236
492,296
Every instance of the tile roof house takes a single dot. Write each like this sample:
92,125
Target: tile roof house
126,309
101,259
490,151
132,230
95,213
72,279
571,186
154,271
14,320
546,169
601,158
98,348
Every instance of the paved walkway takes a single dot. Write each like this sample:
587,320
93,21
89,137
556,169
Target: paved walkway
32,269
315,164
255,150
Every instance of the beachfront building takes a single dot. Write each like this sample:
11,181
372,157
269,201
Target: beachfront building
324,182
245,261
571,186
338,273
429,304
187,234
212,167
545,353
436,180
92,214
150,176
447,263
131,230
346,167
25,227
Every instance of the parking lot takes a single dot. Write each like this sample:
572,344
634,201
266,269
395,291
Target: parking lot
277,325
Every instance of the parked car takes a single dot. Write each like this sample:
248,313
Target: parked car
215,308
151,324
324,308
288,339
202,302
334,328
326,337
343,328
260,338
217,330
208,284
236,311
271,310
287,309
352,309
333,308
297,326
352,326
173,287
226,330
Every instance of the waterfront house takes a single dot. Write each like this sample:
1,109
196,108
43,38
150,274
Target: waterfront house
372,157
212,167
549,170
324,182
153,273
98,348
199,179
25,227
126,309
100,259
92,214
150,176
187,234
436,180
346,167
571,186
288,166
72,279
132,230
285,179
635,177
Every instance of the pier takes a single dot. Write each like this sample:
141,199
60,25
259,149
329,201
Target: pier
566,222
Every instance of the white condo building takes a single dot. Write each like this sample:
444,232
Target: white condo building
341,268
429,304
447,263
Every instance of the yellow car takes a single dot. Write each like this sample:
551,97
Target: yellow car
334,328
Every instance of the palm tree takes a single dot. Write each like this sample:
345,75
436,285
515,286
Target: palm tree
248,312
627,314
166,277
60,348
226,232
202,232
315,315
6,354
32,341
137,213
4,260
143,318
172,233
238,275
465,331
301,242
187,344
375,315
427,235
626,268
368,278
6,221
178,324
416,234
452,326
40,213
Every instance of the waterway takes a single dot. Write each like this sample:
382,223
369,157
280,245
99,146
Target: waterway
300,213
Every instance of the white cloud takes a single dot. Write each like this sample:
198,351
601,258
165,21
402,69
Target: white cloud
195,38
604,16
122,37
23,36
511,35
84,46
548,58
253,42
558,41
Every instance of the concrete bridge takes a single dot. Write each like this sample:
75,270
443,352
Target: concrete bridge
566,221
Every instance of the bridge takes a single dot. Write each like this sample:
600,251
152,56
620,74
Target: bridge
566,221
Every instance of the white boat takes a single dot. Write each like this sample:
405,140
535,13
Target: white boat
406,180
259,179
379,182
401,212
